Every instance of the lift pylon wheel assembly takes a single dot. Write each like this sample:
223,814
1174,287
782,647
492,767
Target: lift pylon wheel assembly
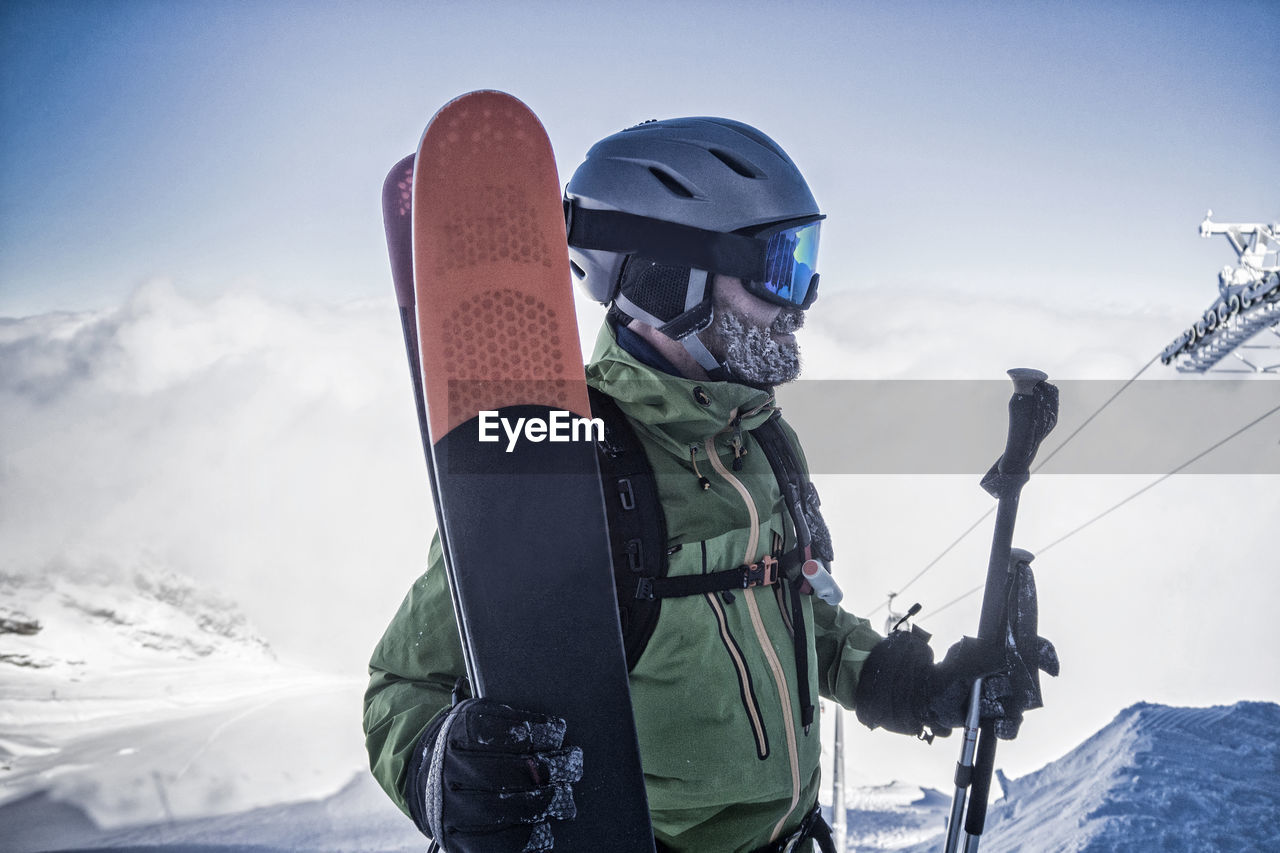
1244,321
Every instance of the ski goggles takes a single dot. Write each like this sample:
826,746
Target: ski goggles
776,261
790,278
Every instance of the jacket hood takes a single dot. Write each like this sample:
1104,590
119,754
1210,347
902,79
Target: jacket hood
677,412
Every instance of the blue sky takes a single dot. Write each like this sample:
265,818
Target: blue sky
1057,151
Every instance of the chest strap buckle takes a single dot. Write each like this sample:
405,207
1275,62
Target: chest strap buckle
763,573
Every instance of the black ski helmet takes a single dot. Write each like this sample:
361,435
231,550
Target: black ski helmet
657,207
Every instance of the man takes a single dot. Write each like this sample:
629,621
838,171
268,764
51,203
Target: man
701,236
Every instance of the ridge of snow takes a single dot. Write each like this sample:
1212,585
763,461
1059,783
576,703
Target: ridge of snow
1155,778
72,623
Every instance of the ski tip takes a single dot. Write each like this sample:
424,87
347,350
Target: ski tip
397,209
485,98
397,192
485,93
401,172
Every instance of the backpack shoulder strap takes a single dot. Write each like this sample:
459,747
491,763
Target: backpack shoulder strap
801,500
637,524
798,492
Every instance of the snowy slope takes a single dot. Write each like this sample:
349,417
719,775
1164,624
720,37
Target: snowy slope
893,816
143,699
359,817
1155,778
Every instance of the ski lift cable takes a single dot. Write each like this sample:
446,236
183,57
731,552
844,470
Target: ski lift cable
1096,412
1141,491
1163,477
938,558
1038,466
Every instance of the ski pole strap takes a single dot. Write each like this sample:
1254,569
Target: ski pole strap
764,573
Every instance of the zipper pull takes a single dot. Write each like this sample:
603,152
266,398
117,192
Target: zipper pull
693,457
739,446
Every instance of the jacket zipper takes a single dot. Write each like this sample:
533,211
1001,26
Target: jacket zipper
762,636
745,684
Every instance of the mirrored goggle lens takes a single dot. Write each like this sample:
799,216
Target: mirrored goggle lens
791,260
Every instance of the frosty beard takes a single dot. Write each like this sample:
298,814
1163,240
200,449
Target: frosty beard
753,355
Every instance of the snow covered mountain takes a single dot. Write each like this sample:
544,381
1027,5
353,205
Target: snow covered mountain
143,698
72,623
1155,778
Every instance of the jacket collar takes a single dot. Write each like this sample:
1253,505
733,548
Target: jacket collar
677,412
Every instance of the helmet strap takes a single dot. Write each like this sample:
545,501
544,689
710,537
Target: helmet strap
694,316
696,348
684,327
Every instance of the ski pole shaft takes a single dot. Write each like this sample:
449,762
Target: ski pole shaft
964,768
975,818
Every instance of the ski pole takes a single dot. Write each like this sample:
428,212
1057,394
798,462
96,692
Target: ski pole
964,768
1033,411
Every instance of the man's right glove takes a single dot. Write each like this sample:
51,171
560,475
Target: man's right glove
491,778
902,690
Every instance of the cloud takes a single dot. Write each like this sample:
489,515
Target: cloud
268,449
903,330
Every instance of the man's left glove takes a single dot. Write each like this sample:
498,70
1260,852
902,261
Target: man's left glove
491,778
903,690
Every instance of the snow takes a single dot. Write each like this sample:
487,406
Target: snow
1155,778
148,713
893,816
151,710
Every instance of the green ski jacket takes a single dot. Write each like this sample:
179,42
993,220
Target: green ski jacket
728,766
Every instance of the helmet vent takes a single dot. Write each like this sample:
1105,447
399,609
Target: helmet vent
736,164
671,182
578,272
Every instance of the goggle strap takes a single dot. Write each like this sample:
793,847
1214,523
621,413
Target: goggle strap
668,242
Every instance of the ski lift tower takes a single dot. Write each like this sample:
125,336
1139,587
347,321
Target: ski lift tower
1244,321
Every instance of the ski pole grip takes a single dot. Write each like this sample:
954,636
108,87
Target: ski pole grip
1025,379
1033,412
1024,410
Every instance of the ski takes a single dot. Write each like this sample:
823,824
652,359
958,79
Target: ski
482,271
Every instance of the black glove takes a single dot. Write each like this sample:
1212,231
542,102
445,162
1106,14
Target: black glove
902,690
491,778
